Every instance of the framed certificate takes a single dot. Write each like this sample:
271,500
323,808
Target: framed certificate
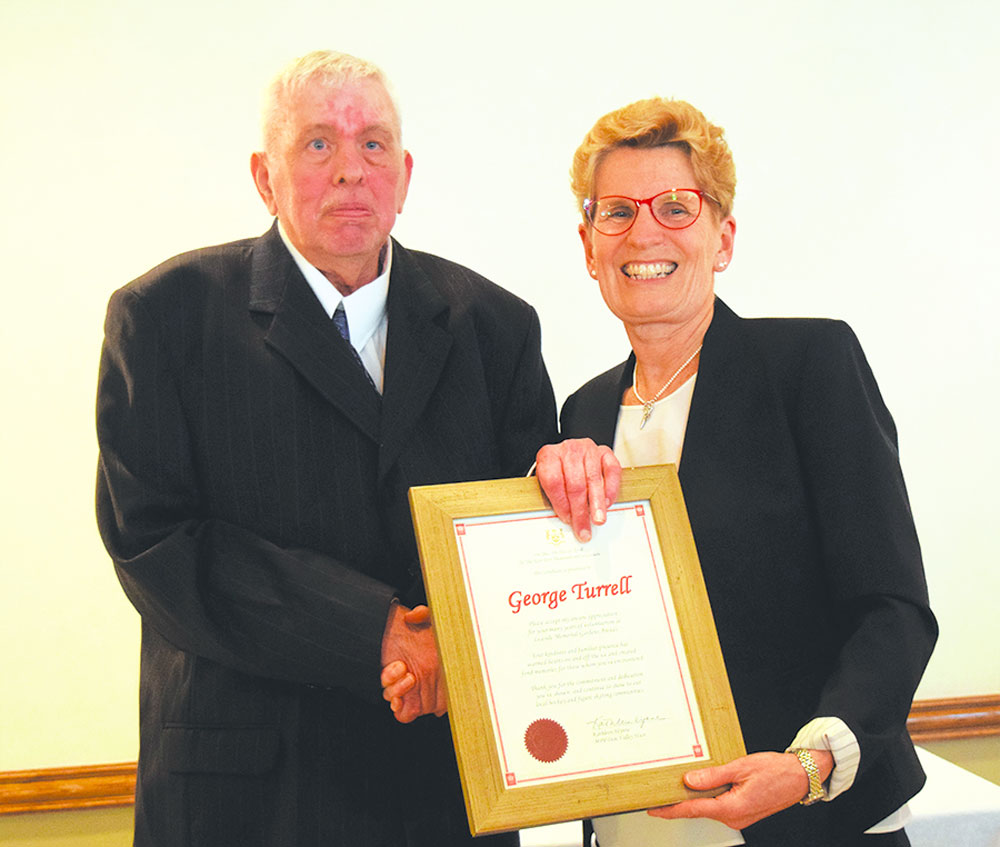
583,679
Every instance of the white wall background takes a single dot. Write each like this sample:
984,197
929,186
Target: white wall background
864,136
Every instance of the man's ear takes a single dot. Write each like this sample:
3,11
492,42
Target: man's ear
262,179
408,169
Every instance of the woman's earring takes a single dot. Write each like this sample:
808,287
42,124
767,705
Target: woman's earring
593,273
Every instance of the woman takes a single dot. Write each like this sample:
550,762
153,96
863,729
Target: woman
787,458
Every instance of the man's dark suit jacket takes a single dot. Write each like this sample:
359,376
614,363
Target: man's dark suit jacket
792,482
252,491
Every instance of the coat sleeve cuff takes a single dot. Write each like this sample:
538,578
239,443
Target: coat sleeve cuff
834,735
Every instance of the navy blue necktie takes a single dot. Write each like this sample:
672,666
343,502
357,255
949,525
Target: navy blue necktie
340,321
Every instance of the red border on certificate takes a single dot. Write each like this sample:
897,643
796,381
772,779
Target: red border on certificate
651,566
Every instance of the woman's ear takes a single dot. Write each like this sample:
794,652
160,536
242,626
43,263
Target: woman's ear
727,236
588,249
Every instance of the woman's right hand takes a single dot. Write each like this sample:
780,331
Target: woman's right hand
581,480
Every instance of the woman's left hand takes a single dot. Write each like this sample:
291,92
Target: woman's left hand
762,784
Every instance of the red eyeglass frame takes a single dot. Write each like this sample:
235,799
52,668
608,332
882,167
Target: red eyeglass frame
591,203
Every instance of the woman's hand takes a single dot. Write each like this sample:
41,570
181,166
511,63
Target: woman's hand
581,480
762,784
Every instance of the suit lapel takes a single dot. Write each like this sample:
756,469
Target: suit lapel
301,332
596,412
727,434
416,351
725,383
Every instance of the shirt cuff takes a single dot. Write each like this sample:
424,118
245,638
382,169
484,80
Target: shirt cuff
834,735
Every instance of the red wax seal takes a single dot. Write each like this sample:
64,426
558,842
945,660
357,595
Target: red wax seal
546,740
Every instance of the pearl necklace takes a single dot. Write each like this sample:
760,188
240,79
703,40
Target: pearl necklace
647,405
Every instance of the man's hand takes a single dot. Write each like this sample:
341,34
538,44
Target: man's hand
762,784
581,480
411,673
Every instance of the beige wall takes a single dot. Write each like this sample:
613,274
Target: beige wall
864,145
97,828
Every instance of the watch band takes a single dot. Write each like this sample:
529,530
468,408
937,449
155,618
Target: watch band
816,791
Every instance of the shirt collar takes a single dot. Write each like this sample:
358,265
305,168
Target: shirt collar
365,308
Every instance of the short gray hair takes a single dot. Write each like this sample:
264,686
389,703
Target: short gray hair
328,67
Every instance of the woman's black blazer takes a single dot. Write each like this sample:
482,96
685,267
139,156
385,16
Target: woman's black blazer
791,477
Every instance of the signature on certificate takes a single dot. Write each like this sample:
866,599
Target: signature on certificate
620,726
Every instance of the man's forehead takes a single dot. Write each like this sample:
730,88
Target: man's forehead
352,106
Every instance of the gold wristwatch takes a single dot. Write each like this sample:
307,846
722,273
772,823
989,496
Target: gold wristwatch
816,792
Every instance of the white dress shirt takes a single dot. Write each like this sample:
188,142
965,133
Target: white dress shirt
367,316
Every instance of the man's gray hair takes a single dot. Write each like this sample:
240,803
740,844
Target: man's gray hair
327,67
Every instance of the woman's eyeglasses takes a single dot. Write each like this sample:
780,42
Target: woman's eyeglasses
675,208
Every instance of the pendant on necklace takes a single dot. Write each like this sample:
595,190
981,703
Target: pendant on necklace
647,410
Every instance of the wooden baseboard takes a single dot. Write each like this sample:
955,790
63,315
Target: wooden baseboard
954,717
97,786
56,789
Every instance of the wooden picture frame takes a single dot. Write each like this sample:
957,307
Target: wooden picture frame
478,646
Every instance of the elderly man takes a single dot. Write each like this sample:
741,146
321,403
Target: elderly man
263,407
